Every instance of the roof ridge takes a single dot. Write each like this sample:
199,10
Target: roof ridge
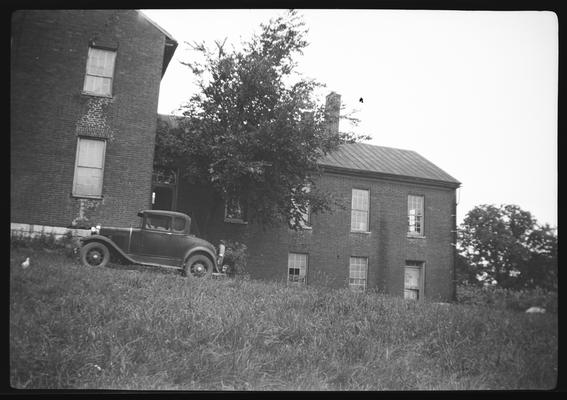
379,146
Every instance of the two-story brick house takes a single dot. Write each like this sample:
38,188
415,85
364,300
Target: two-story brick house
83,105
396,232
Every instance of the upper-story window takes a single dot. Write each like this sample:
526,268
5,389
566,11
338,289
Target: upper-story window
89,168
100,72
305,214
415,215
234,211
359,210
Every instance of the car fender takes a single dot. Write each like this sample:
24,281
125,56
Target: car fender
110,243
201,249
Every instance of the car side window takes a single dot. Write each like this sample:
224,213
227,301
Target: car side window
178,225
158,222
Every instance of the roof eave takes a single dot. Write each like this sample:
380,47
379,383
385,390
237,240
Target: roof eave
170,47
392,177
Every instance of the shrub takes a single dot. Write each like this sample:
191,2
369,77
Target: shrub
67,244
235,257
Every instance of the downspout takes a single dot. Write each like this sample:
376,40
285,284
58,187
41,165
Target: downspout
454,243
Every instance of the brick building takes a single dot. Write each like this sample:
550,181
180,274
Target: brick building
396,233
84,97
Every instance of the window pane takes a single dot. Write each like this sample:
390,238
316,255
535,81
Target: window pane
90,153
359,221
360,199
98,85
100,62
88,181
158,222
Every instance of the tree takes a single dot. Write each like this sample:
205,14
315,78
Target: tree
254,131
505,246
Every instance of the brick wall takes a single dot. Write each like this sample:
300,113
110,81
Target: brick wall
330,243
48,113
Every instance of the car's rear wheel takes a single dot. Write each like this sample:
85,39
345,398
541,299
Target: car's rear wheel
198,266
95,254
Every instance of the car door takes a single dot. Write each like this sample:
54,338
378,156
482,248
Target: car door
160,242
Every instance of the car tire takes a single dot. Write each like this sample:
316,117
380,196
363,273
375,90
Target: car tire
95,254
198,266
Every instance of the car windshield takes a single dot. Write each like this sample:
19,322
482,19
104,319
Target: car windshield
158,222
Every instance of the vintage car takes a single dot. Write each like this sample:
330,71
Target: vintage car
164,239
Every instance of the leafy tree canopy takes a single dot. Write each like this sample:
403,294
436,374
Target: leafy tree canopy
504,245
254,130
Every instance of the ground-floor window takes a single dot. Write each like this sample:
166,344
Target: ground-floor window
89,167
358,269
413,280
296,268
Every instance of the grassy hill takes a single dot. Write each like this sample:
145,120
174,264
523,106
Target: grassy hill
117,328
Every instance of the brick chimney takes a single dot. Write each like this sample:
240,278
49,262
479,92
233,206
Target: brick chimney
332,111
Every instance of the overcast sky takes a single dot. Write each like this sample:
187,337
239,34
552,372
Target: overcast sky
475,92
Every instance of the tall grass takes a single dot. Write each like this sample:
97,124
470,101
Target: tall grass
517,300
74,327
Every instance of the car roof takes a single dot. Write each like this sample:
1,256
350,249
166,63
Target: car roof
166,212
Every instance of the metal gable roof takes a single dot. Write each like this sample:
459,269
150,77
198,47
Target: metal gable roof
387,161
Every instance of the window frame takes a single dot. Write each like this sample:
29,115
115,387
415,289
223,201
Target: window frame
353,286
74,192
243,211
111,77
298,282
420,219
367,211
305,223
149,216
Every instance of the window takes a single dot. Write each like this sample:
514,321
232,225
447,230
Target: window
413,280
296,268
158,222
415,215
89,168
178,224
305,222
234,211
358,269
100,71
359,211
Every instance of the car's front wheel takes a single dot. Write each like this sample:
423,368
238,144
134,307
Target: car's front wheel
199,266
95,254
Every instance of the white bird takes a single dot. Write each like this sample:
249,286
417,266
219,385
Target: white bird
26,263
535,310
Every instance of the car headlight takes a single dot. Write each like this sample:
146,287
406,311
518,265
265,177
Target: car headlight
95,230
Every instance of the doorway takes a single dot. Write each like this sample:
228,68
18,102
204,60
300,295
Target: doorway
162,198
413,280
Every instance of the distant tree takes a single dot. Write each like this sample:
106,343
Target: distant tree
465,273
254,131
541,270
505,246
